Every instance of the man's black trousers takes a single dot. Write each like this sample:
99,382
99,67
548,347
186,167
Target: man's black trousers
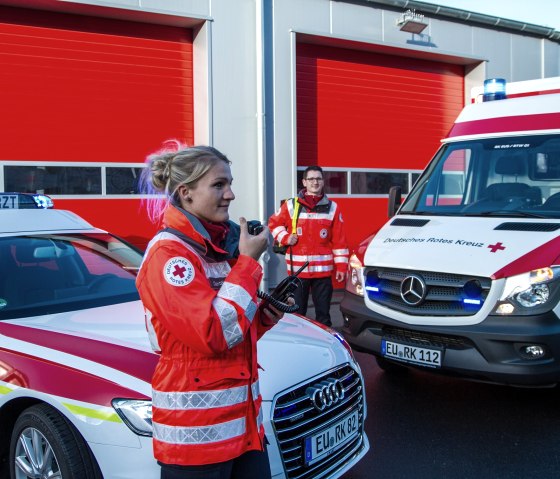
321,293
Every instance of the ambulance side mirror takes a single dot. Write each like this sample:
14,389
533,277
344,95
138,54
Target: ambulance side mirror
394,200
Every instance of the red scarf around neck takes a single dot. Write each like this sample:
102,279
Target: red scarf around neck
217,231
311,200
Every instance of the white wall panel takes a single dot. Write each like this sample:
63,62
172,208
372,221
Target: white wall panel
352,21
495,47
309,15
452,36
551,59
234,111
526,58
178,7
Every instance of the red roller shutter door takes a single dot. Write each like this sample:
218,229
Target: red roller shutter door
360,109
77,88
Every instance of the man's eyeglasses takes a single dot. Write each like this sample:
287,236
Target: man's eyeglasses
314,180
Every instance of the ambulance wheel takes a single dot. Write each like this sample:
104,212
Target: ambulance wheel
390,366
45,445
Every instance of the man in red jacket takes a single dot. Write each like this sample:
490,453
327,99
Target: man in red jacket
311,226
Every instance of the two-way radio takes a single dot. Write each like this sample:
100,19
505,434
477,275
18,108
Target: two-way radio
285,289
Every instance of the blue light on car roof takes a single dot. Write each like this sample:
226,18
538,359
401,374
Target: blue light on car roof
494,89
43,201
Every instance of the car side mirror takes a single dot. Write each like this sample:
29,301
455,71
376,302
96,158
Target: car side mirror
394,200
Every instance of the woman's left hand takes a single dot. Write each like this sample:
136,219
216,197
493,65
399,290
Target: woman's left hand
273,315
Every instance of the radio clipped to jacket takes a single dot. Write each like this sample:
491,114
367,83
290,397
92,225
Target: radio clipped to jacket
285,289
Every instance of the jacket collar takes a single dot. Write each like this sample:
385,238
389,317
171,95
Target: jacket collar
323,201
179,219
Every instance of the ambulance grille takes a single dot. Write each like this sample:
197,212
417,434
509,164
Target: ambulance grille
540,227
444,295
296,419
409,222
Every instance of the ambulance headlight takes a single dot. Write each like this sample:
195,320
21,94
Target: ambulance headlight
534,292
136,414
354,279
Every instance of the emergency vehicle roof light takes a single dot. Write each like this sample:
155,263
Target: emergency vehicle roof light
43,201
494,89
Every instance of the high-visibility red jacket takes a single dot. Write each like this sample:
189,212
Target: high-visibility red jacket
202,316
321,238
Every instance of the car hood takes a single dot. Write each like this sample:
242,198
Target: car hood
294,351
491,247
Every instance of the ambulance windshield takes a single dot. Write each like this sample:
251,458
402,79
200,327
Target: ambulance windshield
507,176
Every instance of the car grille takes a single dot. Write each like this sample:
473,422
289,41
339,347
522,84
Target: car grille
445,292
296,418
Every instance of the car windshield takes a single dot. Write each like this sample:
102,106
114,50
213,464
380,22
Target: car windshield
54,273
508,176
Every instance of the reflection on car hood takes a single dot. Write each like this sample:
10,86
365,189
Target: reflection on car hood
291,352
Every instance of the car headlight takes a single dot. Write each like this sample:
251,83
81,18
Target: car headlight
354,278
534,292
136,414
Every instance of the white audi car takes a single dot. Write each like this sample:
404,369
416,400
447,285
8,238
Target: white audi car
76,364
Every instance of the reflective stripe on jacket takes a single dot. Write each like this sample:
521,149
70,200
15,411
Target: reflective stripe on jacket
321,238
203,318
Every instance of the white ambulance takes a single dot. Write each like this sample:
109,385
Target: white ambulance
465,278
76,364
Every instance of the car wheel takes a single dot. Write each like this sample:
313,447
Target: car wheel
390,366
45,445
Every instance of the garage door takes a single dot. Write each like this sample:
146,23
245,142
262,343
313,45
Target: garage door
76,88
370,110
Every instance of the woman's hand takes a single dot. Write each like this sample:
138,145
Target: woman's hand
250,245
272,314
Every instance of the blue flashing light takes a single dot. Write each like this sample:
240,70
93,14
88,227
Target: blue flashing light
285,411
494,89
43,201
375,289
472,301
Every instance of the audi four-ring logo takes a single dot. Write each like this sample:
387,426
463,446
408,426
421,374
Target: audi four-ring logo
413,290
326,393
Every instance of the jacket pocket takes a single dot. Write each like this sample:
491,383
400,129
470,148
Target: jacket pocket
219,377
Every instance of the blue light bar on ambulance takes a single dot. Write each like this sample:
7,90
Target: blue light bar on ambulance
494,89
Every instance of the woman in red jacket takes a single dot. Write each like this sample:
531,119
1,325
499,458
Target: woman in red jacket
198,283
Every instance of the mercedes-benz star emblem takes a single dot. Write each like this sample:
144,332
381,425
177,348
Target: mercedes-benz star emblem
413,290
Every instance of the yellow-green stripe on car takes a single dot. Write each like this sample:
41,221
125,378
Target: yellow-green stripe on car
5,389
93,413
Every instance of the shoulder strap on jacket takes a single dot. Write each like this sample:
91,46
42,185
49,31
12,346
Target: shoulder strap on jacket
297,209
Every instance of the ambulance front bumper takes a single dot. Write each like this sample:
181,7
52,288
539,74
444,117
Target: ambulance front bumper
515,350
